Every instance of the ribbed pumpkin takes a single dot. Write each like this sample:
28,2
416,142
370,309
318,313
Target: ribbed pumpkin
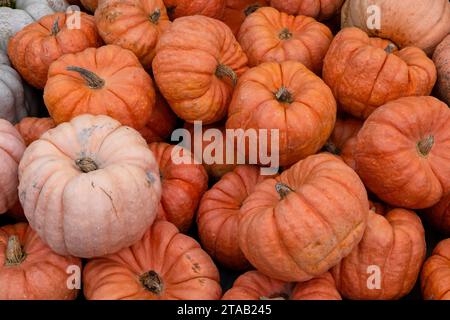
395,245
289,98
435,276
197,64
439,215
108,80
163,265
183,185
97,184
441,59
181,8
299,225
32,129
272,36
321,10
365,73
29,270
236,11
402,152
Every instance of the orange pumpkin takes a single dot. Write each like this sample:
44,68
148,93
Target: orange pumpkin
402,152
441,59
31,128
365,73
289,98
272,36
386,263
439,215
299,225
196,66
163,265
108,80
181,8
36,46
183,185
236,11
321,10
135,25
29,270
97,184
435,276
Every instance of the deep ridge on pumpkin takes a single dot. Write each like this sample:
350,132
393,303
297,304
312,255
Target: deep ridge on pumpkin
92,80
152,282
14,252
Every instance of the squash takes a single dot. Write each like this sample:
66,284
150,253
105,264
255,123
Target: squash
441,59
435,276
365,73
31,129
183,185
163,265
297,226
36,46
108,80
391,251
402,152
272,36
196,66
29,270
181,8
439,215
97,183
289,98
236,11
321,10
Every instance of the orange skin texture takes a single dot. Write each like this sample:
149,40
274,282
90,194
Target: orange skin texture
439,215
181,8
126,23
187,57
321,10
435,276
236,11
187,272
254,285
396,244
90,5
303,234
12,147
31,129
218,215
363,76
260,38
67,206
33,49
41,276
304,125
387,153
183,185
127,95
441,59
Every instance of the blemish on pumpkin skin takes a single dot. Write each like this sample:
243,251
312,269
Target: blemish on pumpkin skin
196,267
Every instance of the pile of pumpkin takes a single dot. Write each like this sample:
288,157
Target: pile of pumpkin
364,128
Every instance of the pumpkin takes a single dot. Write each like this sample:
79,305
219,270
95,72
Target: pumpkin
236,11
108,80
439,215
254,285
435,276
29,270
441,59
97,184
197,64
419,23
289,98
90,5
163,265
11,151
365,73
218,215
402,152
31,129
181,8
135,25
183,185
321,10
272,36
297,226
392,249
36,46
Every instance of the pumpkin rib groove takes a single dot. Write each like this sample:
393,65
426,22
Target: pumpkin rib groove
339,81
375,82
127,107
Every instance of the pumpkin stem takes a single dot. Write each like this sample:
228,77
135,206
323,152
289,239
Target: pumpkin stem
332,148
284,96
285,34
251,8
152,282
282,189
154,17
14,252
425,145
86,165
225,71
92,80
390,48
8,3
55,27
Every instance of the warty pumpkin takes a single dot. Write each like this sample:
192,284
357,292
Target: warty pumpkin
321,10
272,36
402,152
36,46
297,226
31,129
365,73
441,59
386,264
163,265
435,276
197,64
183,185
89,187
181,8
30,270
439,215
108,80
288,97
236,11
